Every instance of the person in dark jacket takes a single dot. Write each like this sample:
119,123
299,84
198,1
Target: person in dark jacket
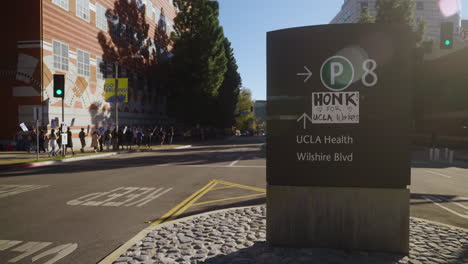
69,141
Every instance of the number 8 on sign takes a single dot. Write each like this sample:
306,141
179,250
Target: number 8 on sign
369,72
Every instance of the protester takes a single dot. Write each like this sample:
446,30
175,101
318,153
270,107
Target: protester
171,135
162,135
46,141
135,135
115,139
139,137
129,138
59,141
82,137
149,137
108,139
69,141
41,141
120,142
53,141
101,139
95,141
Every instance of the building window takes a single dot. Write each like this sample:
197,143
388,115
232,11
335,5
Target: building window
62,3
419,5
83,63
100,68
60,56
82,9
364,4
101,20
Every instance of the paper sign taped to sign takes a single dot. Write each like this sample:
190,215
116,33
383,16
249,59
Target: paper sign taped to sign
335,108
64,138
24,127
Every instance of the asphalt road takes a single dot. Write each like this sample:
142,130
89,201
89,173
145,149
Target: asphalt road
79,212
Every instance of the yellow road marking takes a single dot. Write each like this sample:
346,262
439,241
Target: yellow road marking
168,215
242,186
226,199
193,201
225,187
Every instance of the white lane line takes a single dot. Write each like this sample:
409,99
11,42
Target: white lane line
184,147
453,202
439,174
235,162
434,201
9,244
458,169
8,190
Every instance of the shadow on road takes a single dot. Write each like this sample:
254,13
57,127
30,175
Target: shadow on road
439,198
204,155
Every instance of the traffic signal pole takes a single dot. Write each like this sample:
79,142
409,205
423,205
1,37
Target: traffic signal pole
63,121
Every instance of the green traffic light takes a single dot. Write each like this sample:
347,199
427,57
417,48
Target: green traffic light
59,92
448,42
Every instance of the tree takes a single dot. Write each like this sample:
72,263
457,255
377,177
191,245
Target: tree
199,61
395,11
128,31
245,117
366,18
228,95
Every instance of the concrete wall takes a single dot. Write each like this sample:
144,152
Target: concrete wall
350,218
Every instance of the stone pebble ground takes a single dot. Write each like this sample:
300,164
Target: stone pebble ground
237,236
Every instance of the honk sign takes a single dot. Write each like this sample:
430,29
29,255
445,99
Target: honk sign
335,107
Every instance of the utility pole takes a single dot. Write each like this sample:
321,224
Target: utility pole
116,97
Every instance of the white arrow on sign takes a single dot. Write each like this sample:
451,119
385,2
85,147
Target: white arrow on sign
305,117
308,74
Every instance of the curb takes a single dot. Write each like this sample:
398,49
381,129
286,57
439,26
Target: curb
53,162
114,255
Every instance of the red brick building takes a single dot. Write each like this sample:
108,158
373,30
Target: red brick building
82,39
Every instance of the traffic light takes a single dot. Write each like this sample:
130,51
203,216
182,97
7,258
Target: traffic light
446,35
59,85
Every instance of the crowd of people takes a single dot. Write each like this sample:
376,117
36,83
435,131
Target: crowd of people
126,138
101,139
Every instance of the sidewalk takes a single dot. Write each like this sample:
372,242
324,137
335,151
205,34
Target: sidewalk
238,236
22,159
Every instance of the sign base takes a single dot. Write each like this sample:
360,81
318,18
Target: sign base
370,219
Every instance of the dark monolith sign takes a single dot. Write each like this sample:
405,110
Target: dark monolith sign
338,161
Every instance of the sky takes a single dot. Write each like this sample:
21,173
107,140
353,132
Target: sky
246,22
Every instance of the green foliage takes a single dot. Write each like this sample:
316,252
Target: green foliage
199,63
229,91
366,18
245,117
395,11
